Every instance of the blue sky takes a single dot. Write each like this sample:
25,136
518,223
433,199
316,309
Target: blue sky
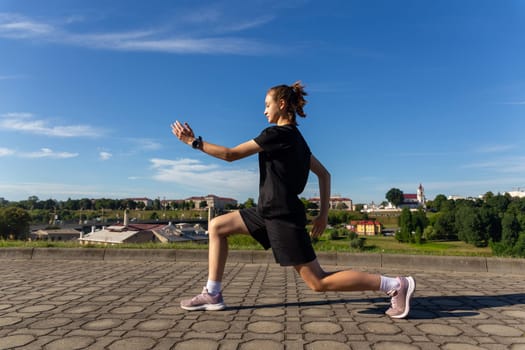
400,93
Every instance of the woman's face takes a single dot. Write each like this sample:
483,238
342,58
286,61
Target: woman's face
272,109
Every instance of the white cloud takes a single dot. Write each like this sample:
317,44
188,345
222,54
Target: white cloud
60,191
236,46
42,153
49,153
15,26
147,144
495,148
209,178
10,77
105,155
514,164
6,152
515,103
26,122
20,27
471,187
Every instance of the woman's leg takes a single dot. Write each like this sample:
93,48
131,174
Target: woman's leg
401,289
348,280
218,231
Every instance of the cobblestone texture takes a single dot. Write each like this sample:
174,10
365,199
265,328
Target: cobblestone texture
69,304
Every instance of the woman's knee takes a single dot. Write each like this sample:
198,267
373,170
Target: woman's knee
316,285
225,225
314,276
215,227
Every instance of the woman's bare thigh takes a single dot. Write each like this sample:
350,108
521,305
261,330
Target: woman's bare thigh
228,224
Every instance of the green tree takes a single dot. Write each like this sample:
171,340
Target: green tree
86,204
420,220
156,204
49,204
250,203
512,241
406,226
428,232
510,230
498,202
490,223
519,247
359,207
395,196
437,203
444,227
128,204
470,227
14,223
71,204
33,202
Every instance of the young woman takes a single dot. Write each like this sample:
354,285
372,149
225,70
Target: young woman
279,220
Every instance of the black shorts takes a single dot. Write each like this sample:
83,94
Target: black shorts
290,243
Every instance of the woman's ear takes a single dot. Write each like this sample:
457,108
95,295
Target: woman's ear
282,104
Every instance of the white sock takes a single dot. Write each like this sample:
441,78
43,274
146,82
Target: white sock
213,287
388,284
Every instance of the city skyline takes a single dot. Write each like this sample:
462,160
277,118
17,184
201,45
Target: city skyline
400,93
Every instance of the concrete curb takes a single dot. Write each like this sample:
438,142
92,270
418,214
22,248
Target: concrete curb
67,254
140,254
16,253
395,261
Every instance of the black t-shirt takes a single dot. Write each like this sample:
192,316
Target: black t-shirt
284,165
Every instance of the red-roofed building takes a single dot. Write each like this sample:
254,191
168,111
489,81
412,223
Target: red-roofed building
414,200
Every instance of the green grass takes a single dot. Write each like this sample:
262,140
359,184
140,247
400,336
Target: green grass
390,245
374,244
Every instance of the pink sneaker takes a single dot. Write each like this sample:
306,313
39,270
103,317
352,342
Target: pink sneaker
401,297
204,301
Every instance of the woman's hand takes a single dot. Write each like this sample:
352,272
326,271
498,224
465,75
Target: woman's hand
319,225
183,132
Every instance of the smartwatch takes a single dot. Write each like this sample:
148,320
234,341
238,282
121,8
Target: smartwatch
197,143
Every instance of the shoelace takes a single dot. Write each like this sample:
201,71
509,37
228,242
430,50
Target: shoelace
393,294
198,297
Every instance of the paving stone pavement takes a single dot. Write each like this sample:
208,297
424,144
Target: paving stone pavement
131,305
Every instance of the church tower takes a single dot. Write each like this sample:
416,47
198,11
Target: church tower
421,195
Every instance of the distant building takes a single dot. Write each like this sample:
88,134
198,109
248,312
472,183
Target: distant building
119,234
365,227
414,200
181,232
336,202
62,234
148,203
144,233
213,201
519,193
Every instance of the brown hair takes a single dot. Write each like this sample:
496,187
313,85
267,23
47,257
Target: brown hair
293,97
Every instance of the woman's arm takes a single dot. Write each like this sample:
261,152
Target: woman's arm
323,176
186,135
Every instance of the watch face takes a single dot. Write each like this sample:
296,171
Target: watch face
196,143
